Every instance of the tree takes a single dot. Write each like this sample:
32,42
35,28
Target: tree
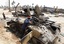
13,2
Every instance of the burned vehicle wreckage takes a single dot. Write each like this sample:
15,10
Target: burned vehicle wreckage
42,31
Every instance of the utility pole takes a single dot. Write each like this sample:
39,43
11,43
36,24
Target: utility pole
9,6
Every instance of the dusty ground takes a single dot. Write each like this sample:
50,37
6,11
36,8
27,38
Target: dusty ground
6,37
9,38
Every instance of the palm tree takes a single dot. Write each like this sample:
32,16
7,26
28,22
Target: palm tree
13,2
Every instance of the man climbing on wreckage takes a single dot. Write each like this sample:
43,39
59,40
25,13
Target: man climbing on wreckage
25,25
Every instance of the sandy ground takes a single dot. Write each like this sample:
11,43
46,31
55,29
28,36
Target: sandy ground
6,13
8,38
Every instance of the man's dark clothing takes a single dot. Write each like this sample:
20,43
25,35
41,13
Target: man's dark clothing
25,25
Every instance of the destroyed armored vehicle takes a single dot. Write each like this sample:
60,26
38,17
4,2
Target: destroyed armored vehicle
42,31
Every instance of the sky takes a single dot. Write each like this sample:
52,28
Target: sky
49,3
